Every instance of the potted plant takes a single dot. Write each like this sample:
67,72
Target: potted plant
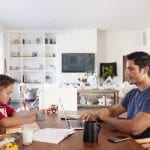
108,71
31,94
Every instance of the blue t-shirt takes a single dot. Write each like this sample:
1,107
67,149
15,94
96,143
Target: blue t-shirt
137,101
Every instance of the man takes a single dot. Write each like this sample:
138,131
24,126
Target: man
136,102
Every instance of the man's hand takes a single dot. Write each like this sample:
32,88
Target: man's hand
103,113
89,116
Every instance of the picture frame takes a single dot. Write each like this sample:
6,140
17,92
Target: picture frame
108,69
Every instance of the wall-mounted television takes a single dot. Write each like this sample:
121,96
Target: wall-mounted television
78,62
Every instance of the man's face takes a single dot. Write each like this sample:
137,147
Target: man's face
133,72
5,94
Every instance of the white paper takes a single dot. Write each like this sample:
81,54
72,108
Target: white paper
18,129
52,135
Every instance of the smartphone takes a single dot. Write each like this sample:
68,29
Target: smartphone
117,139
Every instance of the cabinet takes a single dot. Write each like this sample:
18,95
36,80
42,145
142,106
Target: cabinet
92,96
32,57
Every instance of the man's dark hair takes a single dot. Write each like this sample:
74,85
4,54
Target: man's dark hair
6,81
140,58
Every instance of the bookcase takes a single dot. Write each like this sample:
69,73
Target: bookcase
32,57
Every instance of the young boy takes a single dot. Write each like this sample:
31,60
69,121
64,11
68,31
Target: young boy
7,114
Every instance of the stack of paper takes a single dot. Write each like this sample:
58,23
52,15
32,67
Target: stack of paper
18,129
52,135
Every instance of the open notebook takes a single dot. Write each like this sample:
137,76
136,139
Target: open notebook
72,123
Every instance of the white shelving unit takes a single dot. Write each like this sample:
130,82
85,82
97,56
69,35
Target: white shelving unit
32,57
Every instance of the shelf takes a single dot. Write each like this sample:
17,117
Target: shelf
15,70
33,44
32,70
31,57
50,70
15,57
92,106
49,57
31,83
35,58
50,45
12,44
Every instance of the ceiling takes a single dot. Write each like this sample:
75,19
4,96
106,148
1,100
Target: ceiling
101,14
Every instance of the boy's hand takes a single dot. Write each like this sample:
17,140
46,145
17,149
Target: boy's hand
31,119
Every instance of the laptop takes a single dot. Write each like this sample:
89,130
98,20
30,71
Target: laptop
73,122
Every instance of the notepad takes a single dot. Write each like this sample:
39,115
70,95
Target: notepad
52,135
18,129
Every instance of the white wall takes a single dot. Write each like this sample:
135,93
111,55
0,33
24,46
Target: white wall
1,54
75,41
112,45
108,45
2,48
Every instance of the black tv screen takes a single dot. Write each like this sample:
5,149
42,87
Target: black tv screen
78,62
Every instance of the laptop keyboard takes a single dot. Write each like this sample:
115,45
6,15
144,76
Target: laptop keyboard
75,123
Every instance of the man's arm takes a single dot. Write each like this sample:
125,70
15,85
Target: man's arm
114,111
131,126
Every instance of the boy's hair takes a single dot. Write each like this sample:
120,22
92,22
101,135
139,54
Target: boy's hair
6,81
140,58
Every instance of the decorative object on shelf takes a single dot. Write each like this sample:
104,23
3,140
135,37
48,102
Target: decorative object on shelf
30,60
31,94
52,41
23,41
46,41
38,40
102,101
82,81
34,54
108,69
16,41
83,100
108,81
92,80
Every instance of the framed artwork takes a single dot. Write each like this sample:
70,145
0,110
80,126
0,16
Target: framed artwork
108,69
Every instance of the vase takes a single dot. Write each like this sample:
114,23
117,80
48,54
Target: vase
82,85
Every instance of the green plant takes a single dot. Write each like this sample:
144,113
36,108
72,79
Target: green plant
32,90
89,73
107,71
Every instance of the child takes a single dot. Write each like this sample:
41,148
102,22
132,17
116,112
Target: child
7,114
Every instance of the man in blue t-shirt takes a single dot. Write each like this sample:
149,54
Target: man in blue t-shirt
136,102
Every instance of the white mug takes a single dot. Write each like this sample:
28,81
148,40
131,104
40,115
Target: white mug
27,134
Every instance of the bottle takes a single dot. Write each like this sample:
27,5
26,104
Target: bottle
46,41
23,41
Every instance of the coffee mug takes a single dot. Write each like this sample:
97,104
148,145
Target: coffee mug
90,132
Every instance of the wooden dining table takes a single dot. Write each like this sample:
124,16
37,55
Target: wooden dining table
75,141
